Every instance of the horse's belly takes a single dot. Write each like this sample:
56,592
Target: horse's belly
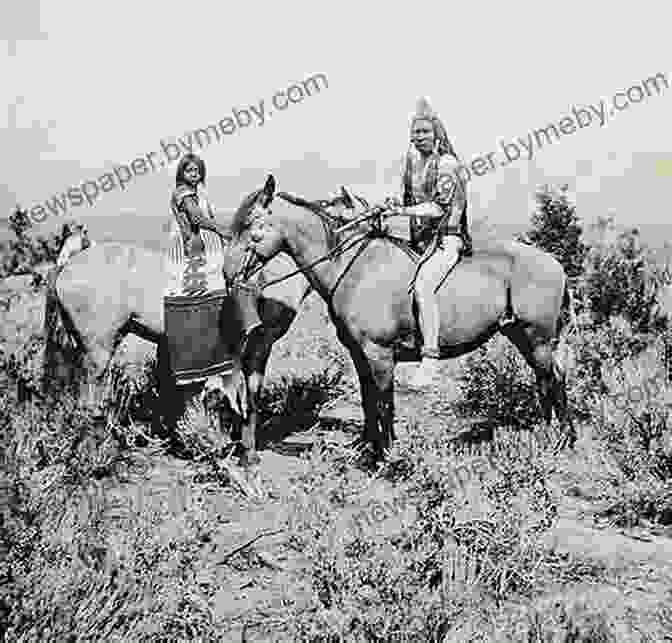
382,312
468,312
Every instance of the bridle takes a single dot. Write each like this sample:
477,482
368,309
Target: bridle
240,279
248,269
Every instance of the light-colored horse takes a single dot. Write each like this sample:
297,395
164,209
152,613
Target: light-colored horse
111,289
365,283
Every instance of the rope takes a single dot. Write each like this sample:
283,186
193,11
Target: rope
326,257
341,247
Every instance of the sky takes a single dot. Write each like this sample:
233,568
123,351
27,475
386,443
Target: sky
88,86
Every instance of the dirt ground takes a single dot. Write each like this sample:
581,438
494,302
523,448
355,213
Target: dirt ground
640,560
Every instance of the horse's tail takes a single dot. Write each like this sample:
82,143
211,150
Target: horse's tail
51,318
567,326
570,325
56,321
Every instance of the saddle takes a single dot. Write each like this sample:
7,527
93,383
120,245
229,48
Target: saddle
419,254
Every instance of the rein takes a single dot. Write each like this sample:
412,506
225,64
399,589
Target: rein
340,248
330,255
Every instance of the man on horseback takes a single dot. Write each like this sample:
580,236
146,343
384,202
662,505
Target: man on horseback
434,196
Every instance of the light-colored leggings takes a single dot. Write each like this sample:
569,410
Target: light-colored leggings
431,273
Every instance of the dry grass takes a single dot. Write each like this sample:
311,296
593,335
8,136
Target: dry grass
403,555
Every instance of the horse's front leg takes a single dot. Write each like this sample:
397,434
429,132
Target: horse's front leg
257,352
276,322
370,437
248,428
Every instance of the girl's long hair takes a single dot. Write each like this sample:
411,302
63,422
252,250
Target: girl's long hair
181,166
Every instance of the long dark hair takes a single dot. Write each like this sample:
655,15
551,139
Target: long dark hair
181,166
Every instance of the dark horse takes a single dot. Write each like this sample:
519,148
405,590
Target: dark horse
284,289
363,276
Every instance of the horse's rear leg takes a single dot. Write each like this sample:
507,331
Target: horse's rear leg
561,405
536,348
97,361
170,404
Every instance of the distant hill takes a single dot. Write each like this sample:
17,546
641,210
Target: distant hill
128,227
149,231
5,231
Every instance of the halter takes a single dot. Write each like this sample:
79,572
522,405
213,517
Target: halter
240,276
318,209
324,203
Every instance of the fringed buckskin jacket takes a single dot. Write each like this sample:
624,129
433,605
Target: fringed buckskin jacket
436,185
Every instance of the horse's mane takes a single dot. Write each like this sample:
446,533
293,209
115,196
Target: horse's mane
298,201
240,221
316,210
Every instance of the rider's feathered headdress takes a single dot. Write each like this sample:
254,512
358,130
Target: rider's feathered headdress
424,111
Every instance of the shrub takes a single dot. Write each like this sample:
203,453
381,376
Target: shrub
21,255
623,279
499,388
556,229
573,619
449,559
596,351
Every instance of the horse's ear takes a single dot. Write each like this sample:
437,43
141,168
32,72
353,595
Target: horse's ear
269,188
347,198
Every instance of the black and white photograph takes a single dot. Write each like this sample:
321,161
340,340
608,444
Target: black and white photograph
335,322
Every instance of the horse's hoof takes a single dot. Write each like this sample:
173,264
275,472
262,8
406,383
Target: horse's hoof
100,419
249,459
565,441
368,456
357,443
255,484
237,451
177,449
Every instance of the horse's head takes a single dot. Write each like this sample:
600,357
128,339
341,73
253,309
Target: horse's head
265,235
251,214
266,238
343,207
255,207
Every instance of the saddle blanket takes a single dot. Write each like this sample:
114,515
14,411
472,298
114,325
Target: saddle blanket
197,274
193,305
196,333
